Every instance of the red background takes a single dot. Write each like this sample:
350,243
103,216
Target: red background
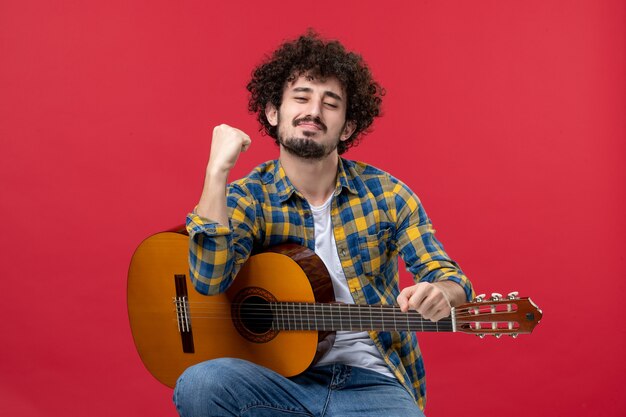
506,117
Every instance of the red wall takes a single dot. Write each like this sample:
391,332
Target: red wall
506,117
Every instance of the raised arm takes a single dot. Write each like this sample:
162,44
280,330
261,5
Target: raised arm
213,256
226,145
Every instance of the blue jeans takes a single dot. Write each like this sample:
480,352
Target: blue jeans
234,387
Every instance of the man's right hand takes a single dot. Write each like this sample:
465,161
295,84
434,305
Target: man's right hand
226,145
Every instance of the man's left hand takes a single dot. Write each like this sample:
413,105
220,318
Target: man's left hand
432,300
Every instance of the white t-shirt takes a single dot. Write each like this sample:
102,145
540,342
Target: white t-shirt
350,348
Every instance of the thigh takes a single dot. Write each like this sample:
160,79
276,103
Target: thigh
368,393
234,387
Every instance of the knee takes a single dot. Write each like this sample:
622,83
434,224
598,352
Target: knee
217,372
210,383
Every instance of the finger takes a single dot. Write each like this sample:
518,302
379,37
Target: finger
403,298
436,309
419,296
246,143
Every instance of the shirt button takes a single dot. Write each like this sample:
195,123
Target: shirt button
343,252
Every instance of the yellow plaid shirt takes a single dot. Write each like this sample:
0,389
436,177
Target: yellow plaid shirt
375,218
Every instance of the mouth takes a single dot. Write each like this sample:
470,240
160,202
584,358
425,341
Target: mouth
309,124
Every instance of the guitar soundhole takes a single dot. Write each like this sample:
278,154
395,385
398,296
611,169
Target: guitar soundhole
252,314
256,315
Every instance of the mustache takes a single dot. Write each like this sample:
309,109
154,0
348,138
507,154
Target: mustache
309,119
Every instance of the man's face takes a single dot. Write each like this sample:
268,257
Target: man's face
312,117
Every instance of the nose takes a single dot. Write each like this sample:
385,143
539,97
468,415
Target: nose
315,108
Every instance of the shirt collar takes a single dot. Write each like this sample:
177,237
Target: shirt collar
345,177
285,189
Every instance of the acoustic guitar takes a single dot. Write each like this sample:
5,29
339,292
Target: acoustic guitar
279,312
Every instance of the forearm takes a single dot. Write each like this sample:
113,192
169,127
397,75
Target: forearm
212,204
424,255
216,251
211,260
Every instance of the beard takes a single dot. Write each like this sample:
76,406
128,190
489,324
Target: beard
306,147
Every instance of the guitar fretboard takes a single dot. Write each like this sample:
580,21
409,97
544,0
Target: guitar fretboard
351,317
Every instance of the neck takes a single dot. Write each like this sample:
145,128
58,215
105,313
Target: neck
315,180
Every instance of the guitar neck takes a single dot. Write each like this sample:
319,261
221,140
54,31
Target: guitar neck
351,317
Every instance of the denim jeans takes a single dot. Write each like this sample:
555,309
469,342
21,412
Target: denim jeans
234,387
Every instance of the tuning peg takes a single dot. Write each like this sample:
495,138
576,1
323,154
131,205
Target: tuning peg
480,298
514,335
495,296
481,335
497,335
513,295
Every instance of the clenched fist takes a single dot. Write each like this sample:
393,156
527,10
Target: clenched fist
227,143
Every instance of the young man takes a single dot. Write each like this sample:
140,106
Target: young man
315,99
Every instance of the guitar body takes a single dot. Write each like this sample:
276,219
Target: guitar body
155,305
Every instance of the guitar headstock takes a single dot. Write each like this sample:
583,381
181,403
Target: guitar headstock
497,316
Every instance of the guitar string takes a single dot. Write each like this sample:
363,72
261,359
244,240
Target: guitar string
217,314
417,323
481,306
300,324
388,319
211,307
390,315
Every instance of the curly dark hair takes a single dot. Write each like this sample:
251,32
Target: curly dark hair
321,59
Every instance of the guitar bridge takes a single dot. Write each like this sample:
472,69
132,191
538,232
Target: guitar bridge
183,318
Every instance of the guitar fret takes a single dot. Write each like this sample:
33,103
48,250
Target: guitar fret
299,319
350,318
340,317
273,326
360,320
286,316
282,310
308,319
289,311
282,315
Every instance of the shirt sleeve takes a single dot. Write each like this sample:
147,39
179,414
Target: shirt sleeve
216,252
423,254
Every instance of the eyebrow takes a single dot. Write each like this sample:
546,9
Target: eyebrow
310,90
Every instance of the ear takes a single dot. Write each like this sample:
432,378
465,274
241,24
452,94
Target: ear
271,112
348,130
